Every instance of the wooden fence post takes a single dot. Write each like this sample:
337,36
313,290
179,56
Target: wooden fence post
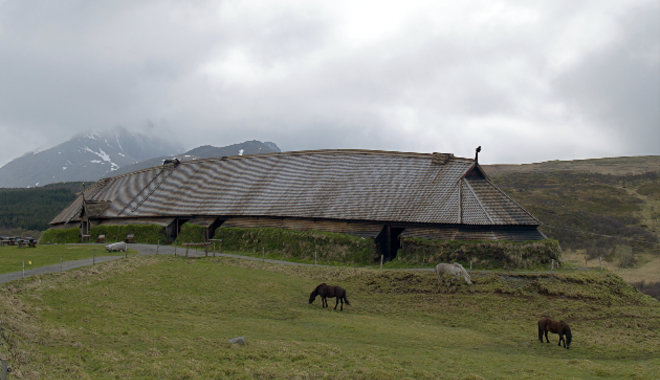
381,261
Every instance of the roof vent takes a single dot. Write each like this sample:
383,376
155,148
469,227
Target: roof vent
441,158
174,162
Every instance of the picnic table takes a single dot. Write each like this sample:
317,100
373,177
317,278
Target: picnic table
26,242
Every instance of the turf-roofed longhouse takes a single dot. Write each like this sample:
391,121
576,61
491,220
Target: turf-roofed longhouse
375,194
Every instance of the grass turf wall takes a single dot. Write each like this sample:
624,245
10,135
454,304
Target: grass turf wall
301,245
60,236
484,254
143,233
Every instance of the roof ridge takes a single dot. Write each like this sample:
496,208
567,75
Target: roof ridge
297,153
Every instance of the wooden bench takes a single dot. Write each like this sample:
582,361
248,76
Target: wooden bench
130,238
100,239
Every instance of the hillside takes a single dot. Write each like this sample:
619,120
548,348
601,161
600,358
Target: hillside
605,207
32,209
165,317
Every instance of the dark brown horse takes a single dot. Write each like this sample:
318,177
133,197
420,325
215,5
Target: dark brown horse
557,327
326,291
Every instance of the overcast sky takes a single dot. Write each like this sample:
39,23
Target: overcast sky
529,81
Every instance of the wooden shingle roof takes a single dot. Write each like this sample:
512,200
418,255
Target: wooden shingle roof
324,184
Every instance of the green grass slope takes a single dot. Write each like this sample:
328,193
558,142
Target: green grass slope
165,317
605,207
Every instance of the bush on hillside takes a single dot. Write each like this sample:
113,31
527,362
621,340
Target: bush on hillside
483,254
329,247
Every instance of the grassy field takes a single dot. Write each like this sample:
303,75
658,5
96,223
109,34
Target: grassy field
12,257
166,317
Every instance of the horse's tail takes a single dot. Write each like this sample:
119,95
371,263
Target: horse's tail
540,331
346,300
569,335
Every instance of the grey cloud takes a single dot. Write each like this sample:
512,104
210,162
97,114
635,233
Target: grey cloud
618,87
71,66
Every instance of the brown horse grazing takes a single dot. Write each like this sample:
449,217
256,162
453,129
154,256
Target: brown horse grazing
326,291
557,327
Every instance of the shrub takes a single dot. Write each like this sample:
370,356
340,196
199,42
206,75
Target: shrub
485,253
329,247
191,233
60,236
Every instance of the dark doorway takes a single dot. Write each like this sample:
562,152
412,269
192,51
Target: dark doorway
178,222
387,242
214,226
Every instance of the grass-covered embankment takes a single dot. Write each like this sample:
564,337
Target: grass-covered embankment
165,317
484,254
300,246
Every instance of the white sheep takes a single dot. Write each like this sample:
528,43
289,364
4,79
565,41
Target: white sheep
118,246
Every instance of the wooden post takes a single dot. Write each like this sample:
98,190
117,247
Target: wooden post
263,254
174,250
381,261
3,363
552,265
600,258
3,370
314,257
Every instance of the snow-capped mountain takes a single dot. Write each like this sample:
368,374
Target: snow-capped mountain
92,156
86,157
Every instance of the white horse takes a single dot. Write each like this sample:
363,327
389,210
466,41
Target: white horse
454,269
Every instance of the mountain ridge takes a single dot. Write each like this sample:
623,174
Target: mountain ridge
90,156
